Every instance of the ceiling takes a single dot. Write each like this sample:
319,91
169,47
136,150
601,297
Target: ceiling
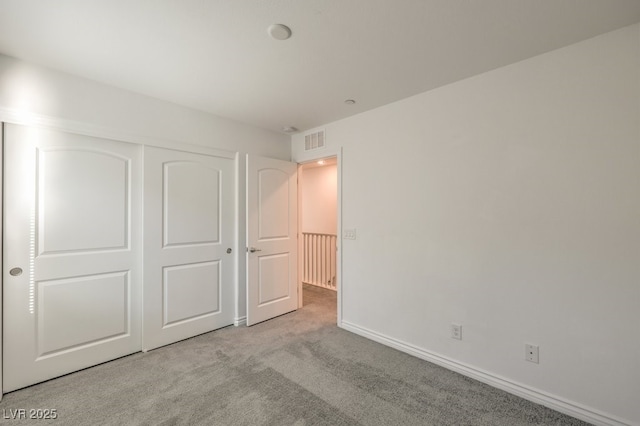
216,55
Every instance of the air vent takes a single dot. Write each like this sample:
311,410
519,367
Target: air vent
314,141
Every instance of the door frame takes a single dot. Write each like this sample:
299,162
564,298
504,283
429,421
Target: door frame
337,153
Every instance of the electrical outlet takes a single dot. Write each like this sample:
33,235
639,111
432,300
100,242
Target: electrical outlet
456,331
532,353
349,234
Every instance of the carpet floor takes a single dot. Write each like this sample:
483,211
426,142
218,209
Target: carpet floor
297,369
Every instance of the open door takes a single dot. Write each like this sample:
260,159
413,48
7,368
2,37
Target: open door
272,218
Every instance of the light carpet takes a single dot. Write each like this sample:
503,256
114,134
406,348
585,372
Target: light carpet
297,369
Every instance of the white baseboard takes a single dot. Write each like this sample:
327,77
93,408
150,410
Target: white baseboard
539,397
240,321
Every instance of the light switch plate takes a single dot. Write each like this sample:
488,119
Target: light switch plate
349,234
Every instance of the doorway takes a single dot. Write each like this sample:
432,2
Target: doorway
318,229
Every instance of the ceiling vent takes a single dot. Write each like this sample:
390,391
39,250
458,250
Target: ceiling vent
314,141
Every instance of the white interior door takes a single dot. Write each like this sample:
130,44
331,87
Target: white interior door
189,228
272,220
71,253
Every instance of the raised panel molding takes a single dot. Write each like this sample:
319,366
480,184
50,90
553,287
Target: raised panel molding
191,204
67,219
273,269
80,311
190,292
273,192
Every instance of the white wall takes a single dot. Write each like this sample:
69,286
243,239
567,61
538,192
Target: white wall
36,90
30,93
319,198
509,203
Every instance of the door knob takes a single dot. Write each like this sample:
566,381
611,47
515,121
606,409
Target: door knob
229,250
14,272
253,250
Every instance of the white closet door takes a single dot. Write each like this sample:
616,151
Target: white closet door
72,247
189,229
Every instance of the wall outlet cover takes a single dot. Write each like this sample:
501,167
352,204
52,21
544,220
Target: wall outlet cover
456,331
532,353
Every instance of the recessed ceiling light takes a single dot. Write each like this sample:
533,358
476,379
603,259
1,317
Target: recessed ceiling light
279,31
321,162
350,102
289,129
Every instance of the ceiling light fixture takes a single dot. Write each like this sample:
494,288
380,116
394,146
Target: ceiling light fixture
350,102
289,129
279,32
321,162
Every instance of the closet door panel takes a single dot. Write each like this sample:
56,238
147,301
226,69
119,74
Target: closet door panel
189,223
72,257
